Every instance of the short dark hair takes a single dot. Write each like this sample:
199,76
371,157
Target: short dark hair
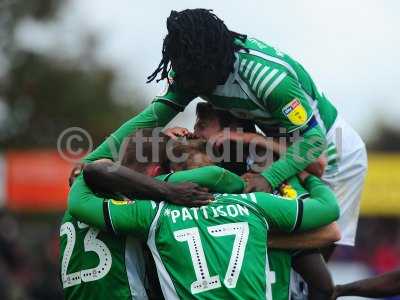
198,41
205,111
152,144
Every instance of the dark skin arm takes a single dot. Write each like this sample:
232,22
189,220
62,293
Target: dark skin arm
385,285
256,183
107,177
76,170
312,267
310,264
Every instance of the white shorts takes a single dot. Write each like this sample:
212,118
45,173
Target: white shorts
135,268
345,174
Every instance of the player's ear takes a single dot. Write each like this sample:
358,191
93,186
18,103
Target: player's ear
154,170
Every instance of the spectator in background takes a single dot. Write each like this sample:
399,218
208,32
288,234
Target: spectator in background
10,258
27,273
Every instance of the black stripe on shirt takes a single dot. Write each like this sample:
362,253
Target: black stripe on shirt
299,215
107,217
168,176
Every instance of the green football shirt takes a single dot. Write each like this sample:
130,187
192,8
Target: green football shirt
266,86
280,261
215,251
275,91
96,264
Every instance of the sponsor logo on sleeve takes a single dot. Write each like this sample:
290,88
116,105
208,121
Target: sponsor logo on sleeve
295,112
288,192
121,202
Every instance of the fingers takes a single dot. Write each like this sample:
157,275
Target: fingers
195,199
197,203
182,132
248,176
185,131
249,189
202,196
189,185
192,135
201,193
249,186
190,194
75,173
203,189
245,176
303,176
193,188
256,183
177,132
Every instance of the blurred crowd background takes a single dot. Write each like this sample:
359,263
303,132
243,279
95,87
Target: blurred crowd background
84,64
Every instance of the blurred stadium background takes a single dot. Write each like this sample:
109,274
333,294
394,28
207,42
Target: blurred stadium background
84,63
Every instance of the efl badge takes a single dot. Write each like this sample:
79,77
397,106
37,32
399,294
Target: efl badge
121,202
288,191
295,112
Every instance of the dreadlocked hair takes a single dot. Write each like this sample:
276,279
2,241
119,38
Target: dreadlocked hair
197,41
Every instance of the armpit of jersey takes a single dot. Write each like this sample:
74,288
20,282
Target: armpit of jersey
280,213
173,96
130,218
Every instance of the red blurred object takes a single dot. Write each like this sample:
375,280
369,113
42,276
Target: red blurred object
36,180
385,258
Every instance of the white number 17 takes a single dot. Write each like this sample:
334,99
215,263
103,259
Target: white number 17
204,281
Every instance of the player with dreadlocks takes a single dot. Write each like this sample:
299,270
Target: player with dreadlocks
254,81
200,49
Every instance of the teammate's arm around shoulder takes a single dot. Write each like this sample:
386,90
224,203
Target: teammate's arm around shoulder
321,208
380,286
215,178
157,114
297,157
288,215
84,205
106,214
288,104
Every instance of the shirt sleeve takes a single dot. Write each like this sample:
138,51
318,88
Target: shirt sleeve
321,208
297,186
288,104
174,96
156,114
290,215
280,213
281,95
216,179
133,217
297,157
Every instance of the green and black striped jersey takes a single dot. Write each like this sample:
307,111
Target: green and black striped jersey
267,86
